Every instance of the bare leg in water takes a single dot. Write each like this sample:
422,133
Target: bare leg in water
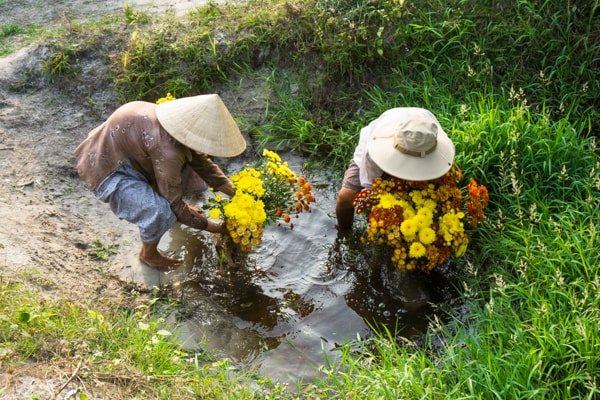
344,209
150,255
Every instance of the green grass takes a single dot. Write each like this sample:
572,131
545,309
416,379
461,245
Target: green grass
534,331
134,347
325,61
516,87
8,32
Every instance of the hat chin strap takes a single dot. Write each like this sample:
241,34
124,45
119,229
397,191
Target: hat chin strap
420,154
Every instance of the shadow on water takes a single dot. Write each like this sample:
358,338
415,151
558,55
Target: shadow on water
286,307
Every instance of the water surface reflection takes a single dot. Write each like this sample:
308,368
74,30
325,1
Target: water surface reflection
287,306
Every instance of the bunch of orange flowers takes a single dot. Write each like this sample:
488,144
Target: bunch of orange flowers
422,221
265,193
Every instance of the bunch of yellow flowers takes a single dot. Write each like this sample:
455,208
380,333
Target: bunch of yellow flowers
265,193
168,97
422,221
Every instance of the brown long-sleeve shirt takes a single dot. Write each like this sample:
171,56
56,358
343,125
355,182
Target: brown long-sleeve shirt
133,133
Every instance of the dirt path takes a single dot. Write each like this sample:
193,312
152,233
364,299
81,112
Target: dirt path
48,219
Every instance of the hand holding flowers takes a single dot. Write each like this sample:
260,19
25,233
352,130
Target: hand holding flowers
264,194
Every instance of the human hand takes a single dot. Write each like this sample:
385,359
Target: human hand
227,189
223,229
217,228
196,209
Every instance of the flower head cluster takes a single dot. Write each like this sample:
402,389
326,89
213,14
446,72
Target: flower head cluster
265,193
422,221
168,97
477,202
249,181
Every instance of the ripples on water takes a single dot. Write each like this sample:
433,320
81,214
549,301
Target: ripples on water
301,294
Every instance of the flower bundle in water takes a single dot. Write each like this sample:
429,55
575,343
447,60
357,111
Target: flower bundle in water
422,221
265,193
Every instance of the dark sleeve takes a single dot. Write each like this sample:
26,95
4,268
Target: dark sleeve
208,170
168,166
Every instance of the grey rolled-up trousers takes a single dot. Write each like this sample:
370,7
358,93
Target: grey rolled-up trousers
132,198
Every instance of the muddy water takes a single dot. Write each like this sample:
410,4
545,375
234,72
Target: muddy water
286,307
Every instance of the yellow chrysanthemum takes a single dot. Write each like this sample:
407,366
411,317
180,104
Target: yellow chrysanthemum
280,170
430,204
417,250
248,181
244,209
387,200
411,238
421,221
450,225
427,236
426,213
168,97
409,227
214,213
417,198
271,155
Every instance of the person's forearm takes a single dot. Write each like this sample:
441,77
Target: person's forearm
214,228
190,216
208,170
227,189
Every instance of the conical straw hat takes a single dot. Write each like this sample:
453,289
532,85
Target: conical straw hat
203,124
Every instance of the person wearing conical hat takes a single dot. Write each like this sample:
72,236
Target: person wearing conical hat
145,157
405,142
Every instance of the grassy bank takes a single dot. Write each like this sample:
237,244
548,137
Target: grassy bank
533,283
518,94
320,60
131,351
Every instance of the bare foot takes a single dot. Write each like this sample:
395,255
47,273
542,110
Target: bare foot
154,259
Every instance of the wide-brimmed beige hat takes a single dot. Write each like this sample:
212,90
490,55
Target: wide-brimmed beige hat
413,148
203,124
